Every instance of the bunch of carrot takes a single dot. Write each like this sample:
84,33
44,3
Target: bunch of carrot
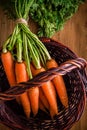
23,57
43,97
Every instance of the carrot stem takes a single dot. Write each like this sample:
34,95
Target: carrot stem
35,57
26,56
4,49
13,38
19,49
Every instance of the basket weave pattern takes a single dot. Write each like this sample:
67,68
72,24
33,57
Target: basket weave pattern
73,70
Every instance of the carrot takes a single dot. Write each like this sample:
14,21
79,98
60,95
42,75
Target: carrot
21,76
59,83
44,104
43,98
33,94
48,90
8,64
42,107
9,67
52,113
34,99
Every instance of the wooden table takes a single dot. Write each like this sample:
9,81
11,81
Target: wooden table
74,35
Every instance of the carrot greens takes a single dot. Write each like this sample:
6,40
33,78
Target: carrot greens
51,15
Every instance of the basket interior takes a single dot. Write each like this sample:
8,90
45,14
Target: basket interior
11,114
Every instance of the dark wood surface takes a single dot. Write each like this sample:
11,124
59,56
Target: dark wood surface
74,35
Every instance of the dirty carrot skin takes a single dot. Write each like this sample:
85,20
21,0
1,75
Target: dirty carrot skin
43,98
34,99
21,76
48,90
59,83
8,64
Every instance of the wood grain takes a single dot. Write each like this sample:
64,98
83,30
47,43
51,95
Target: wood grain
74,35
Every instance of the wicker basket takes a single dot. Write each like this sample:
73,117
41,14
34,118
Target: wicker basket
73,70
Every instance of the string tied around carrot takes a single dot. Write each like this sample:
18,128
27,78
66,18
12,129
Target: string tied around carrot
21,20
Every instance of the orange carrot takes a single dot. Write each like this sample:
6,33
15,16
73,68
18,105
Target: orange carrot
45,104
59,84
52,113
8,64
33,94
42,107
34,99
43,98
9,67
48,90
21,76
